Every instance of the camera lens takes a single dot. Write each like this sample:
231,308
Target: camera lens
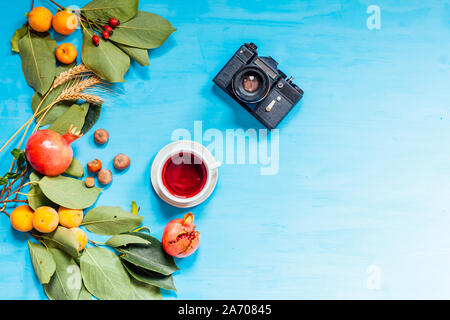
251,84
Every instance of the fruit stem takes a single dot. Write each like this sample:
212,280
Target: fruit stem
188,219
13,200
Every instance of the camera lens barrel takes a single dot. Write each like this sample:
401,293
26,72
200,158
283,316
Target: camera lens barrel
250,84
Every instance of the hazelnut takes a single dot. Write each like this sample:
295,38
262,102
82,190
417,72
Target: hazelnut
94,165
104,176
121,161
101,136
90,182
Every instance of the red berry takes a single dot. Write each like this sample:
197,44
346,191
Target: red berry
113,22
108,29
95,40
105,35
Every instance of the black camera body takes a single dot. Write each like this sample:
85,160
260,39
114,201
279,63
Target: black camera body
258,85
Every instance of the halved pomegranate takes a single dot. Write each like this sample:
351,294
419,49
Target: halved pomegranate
180,238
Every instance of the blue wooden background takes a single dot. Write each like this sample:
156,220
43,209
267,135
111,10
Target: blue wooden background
362,193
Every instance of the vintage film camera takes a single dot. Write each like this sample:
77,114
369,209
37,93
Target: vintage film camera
258,85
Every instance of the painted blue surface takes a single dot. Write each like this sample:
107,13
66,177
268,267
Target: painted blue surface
364,177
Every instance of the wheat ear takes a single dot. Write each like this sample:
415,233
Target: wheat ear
75,72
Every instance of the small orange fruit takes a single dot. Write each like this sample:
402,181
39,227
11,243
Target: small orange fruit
45,219
40,19
22,218
65,22
81,237
70,218
66,53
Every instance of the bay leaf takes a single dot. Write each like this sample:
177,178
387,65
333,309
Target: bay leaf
19,34
151,257
110,220
35,196
146,30
150,277
124,239
38,60
66,282
43,262
103,10
143,291
75,169
92,117
62,238
138,54
103,274
84,294
107,60
74,117
69,192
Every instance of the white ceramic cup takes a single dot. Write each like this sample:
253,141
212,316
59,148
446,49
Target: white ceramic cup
199,151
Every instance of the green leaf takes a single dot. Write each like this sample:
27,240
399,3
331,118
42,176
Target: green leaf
20,157
91,118
19,34
43,262
75,169
150,277
74,116
146,30
103,274
38,60
107,60
124,239
151,257
138,54
35,196
62,238
69,192
58,109
102,10
110,220
66,282
55,112
143,291
84,294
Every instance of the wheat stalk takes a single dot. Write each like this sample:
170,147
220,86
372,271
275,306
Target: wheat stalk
75,91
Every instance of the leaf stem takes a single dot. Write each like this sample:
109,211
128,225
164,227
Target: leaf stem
60,6
94,243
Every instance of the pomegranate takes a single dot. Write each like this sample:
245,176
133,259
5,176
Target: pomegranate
180,238
50,153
